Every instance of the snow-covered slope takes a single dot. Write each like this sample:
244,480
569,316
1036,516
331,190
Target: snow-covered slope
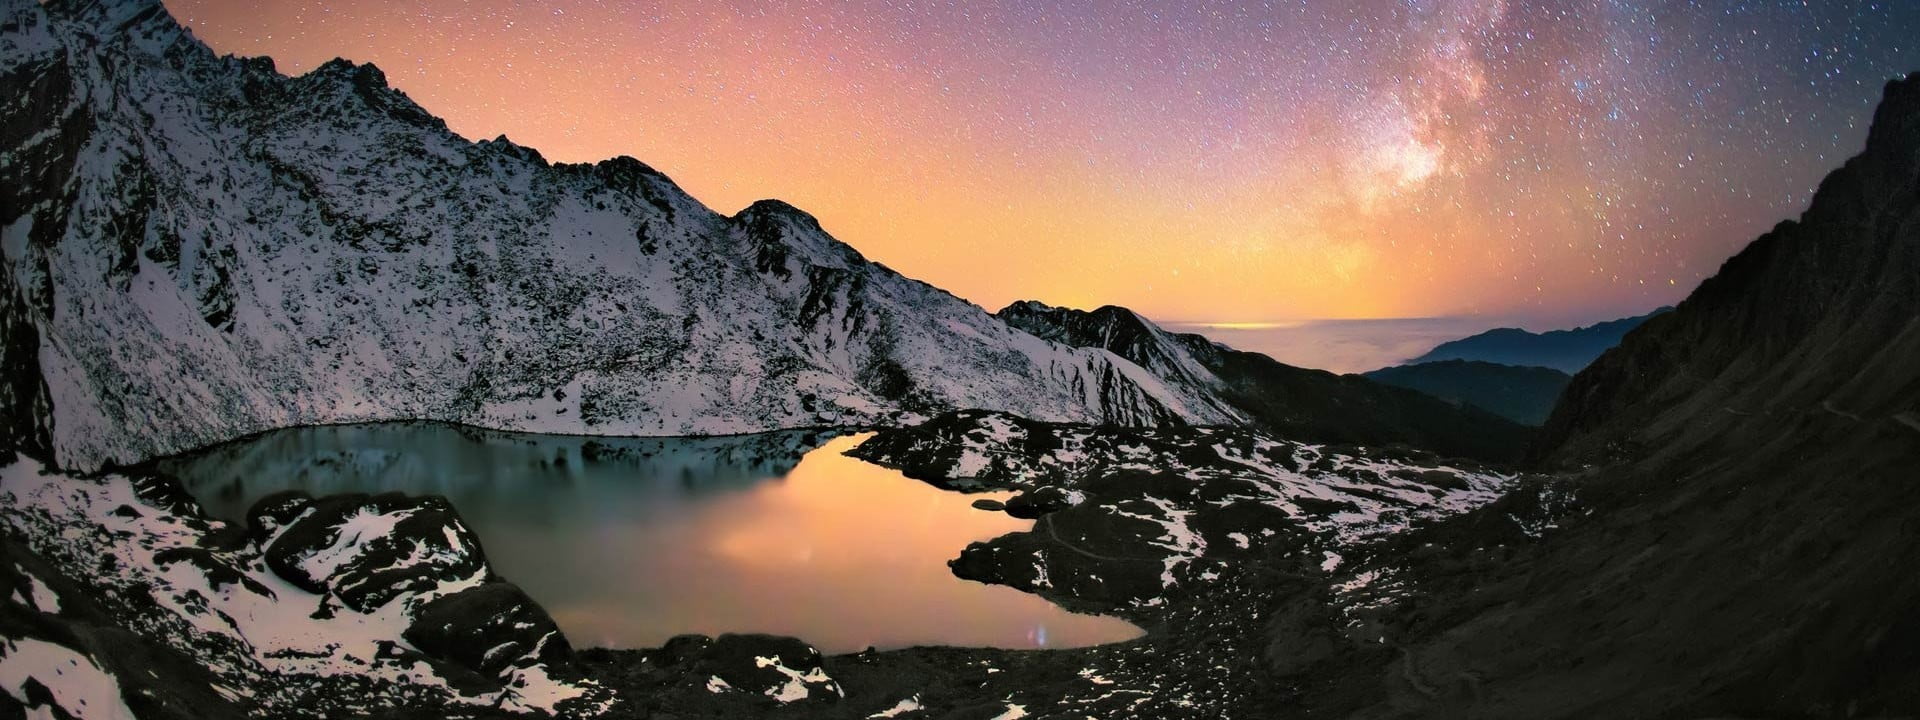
198,248
317,608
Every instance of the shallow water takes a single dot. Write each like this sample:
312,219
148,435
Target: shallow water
628,542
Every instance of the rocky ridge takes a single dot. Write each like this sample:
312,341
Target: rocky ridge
199,248
1733,507
1296,403
349,604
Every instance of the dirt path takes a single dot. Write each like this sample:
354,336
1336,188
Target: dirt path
1055,535
1827,405
1908,419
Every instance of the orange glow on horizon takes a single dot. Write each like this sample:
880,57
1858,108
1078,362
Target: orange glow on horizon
1187,163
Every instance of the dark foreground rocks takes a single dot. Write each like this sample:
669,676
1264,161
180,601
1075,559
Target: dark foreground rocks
327,607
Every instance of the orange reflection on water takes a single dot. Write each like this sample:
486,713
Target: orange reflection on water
839,552
628,542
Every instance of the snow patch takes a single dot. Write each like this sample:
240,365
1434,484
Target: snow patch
903,707
78,685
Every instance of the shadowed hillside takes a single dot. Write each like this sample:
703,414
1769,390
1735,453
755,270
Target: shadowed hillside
1734,533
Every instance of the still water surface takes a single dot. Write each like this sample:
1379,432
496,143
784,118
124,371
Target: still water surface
628,542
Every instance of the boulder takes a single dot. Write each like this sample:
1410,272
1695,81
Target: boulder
367,550
488,629
1038,501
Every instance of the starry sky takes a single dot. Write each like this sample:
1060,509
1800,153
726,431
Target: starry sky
1547,162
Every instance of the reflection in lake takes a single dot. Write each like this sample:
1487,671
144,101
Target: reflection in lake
628,542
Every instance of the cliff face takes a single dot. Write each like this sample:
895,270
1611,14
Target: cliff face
198,248
1816,317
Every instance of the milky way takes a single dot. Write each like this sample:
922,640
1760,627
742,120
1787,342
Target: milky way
1544,161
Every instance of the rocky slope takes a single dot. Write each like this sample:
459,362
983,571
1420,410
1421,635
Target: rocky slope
1731,534
1204,536
315,608
1525,395
1292,402
1817,317
1564,350
198,247
385,605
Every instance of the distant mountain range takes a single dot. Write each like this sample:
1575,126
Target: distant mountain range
1564,350
1522,394
1289,401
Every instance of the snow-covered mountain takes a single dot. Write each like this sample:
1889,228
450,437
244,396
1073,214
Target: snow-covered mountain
198,247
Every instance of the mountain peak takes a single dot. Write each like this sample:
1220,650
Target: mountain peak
360,74
1812,316
1036,307
1897,121
779,208
1025,306
1112,325
501,143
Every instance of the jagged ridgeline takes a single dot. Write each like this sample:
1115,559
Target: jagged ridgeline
198,247
1292,402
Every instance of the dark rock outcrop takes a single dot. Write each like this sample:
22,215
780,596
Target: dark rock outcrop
488,628
365,550
1039,501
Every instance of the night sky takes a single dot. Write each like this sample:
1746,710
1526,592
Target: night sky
1549,162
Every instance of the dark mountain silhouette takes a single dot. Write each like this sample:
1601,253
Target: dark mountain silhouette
1291,402
1736,528
1564,350
1522,394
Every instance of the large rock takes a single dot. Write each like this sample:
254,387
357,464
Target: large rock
1039,501
367,550
488,629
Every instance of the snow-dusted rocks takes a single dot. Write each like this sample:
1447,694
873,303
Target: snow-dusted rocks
320,609
198,248
733,675
1290,402
1127,516
53,679
783,670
